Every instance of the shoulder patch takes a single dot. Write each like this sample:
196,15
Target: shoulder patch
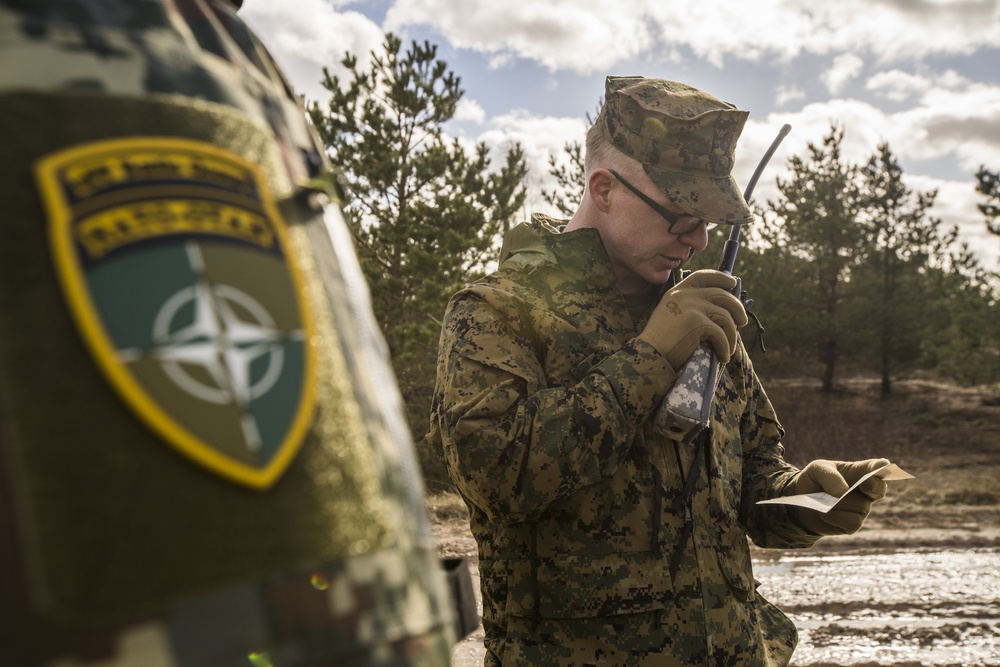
175,265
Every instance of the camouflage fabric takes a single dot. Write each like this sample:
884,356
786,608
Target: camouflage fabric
143,107
685,140
543,412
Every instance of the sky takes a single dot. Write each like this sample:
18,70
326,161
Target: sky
922,75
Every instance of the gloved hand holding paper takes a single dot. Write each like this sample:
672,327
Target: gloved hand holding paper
824,502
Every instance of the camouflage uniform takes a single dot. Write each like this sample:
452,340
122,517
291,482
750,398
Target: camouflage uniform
109,536
598,545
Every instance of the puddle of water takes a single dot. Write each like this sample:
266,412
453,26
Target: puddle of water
861,651
928,608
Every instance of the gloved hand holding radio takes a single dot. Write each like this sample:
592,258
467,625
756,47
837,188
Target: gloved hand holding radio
699,308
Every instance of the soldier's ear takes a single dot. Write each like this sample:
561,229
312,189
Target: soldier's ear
599,185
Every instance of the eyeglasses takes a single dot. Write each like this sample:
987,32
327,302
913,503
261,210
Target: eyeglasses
680,224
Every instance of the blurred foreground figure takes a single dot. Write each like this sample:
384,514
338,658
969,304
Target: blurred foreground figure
202,454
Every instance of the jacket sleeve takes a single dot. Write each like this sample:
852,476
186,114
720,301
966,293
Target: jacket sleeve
766,474
513,444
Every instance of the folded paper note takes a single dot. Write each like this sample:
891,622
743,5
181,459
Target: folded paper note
824,502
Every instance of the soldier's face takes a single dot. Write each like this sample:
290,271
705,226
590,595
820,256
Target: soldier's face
636,237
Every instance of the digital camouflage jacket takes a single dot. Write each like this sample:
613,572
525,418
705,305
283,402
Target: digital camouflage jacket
543,412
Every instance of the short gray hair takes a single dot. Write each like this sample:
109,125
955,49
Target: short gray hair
600,153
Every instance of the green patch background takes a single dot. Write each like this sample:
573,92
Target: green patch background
131,286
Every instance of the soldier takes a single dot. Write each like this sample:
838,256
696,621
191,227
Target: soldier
203,459
601,541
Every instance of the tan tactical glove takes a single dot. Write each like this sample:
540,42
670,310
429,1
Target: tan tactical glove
699,308
835,477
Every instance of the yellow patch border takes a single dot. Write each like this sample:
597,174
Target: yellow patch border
81,305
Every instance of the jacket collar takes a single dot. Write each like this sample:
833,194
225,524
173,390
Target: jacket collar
580,253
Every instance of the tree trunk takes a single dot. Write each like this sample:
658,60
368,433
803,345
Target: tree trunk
886,330
829,355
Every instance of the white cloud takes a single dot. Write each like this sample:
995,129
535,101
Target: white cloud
471,111
897,85
845,67
888,30
540,137
788,94
864,127
966,121
583,35
310,37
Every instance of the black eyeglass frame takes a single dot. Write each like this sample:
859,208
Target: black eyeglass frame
672,218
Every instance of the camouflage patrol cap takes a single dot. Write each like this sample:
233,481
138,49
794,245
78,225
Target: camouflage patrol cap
685,140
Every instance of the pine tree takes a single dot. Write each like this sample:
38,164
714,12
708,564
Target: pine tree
819,208
902,243
963,344
571,181
989,185
425,212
